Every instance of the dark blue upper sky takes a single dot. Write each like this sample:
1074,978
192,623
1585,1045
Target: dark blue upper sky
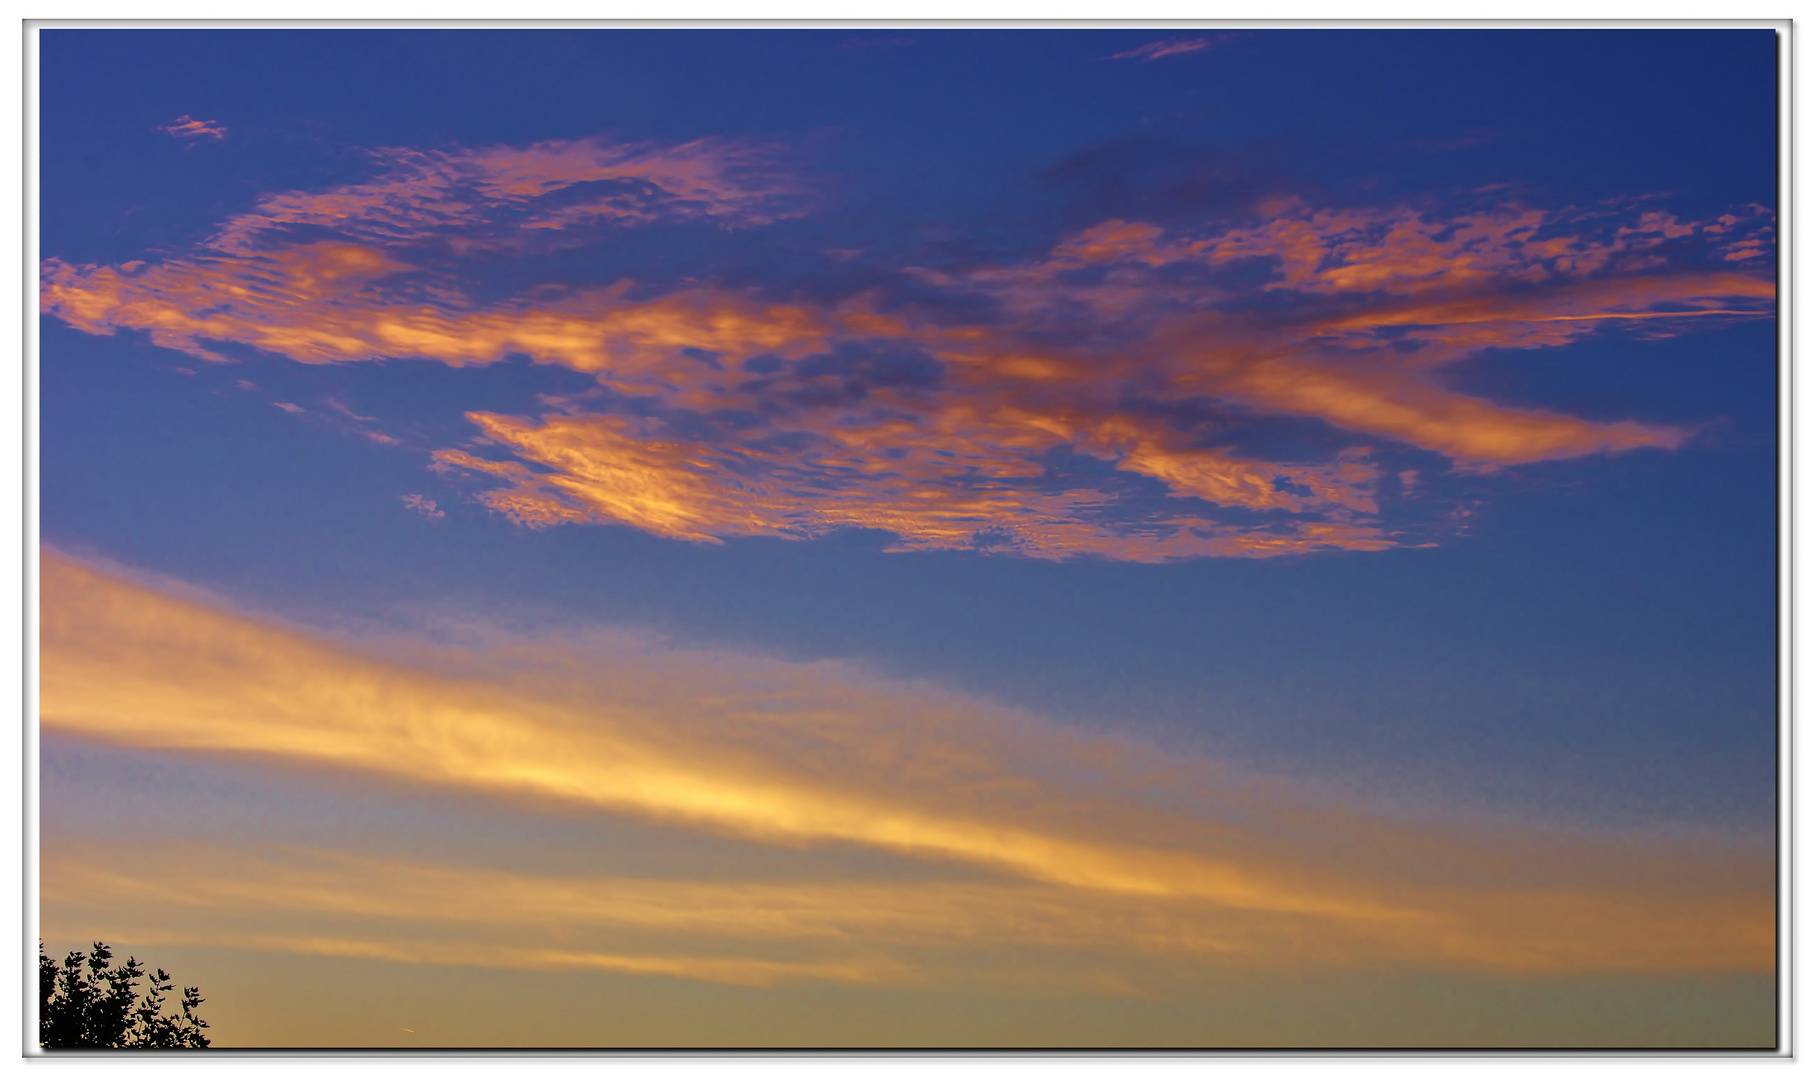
946,128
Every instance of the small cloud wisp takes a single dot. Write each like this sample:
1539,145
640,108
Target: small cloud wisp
190,129
1157,50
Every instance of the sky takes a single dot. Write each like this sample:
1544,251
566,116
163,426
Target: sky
904,537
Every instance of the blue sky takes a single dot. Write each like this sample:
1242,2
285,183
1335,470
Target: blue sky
1382,418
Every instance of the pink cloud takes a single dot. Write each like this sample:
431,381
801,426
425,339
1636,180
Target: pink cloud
186,127
424,505
501,197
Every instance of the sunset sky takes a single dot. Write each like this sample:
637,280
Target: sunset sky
905,537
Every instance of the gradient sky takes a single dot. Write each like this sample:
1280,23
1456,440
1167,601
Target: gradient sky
906,537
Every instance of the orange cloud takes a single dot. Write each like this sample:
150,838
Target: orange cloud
1630,298
950,487
725,413
1399,402
1447,288
1053,843
335,303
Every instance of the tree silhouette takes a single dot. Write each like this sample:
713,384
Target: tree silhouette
88,1004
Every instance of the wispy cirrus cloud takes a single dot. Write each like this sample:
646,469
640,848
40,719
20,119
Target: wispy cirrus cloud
188,128
1110,861
993,934
1092,402
508,197
1158,50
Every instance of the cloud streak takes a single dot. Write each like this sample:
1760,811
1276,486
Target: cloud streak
1158,50
1098,843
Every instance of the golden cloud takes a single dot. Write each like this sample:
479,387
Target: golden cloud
1095,844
